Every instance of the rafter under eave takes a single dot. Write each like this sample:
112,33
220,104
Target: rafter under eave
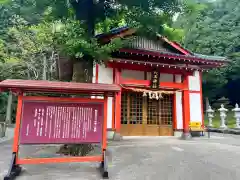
185,67
183,58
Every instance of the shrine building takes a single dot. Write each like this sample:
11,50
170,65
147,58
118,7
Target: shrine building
161,85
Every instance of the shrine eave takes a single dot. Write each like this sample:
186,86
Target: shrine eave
177,57
185,67
21,86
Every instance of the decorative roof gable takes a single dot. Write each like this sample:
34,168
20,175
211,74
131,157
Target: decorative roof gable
161,45
143,43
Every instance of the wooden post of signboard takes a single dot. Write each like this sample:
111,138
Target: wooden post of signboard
15,169
104,163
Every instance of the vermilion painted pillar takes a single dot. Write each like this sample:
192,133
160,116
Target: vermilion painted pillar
186,108
117,102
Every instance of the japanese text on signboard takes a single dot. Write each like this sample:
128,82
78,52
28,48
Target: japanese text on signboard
58,122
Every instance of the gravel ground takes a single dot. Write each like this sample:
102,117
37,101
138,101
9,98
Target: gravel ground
145,159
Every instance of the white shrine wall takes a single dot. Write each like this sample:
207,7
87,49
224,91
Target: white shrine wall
105,75
139,75
132,74
196,111
179,105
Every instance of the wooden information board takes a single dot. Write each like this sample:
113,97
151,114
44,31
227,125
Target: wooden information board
61,122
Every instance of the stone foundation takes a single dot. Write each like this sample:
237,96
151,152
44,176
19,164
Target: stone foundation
114,136
177,133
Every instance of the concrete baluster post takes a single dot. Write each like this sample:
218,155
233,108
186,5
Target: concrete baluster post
236,111
210,116
223,114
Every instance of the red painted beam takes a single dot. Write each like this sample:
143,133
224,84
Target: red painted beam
137,67
135,82
172,85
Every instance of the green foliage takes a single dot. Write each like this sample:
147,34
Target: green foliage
34,32
213,83
71,39
233,69
191,12
147,16
109,23
173,34
214,30
2,51
33,28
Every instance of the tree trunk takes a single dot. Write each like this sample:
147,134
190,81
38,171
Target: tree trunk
45,70
82,72
8,119
207,103
64,68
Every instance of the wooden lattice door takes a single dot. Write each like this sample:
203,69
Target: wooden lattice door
142,116
159,116
132,114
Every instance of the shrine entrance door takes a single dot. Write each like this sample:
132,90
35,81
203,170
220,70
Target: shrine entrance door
141,116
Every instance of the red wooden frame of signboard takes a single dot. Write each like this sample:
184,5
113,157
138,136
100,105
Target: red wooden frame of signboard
23,86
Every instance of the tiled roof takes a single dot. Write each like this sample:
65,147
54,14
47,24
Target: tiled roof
113,31
175,56
191,55
213,58
55,86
